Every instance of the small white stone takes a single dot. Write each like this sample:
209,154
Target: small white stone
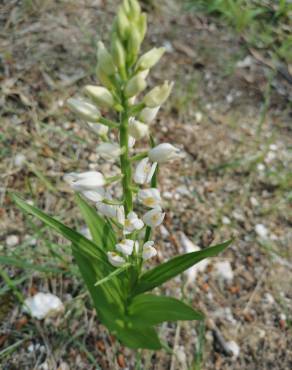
30,348
19,159
254,202
198,116
224,270
245,63
226,220
163,231
283,317
273,147
181,356
167,195
268,298
271,155
261,231
12,240
229,98
43,305
234,348
261,167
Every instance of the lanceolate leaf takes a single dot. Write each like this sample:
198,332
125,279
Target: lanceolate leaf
149,309
86,246
100,229
139,338
162,273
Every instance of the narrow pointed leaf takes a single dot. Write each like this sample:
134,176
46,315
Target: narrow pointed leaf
136,338
149,309
100,229
113,274
162,273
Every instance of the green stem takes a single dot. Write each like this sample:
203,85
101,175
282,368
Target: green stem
125,160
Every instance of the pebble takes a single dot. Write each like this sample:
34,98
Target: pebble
224,270
12,240
261,167
261,231
164,232
226,220
268,298
245,63
234,348
43,305
198,116
254,202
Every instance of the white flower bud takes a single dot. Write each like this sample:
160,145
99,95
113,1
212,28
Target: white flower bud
118,52
100,95
109,150
163,153
105,60
154,217
131,142
144,171
98,128
123,24
138,129
115,259
148,114
132,223
150,197
148,250
136,85
90,180
149,59
158,95
126,246
84,110
110,210
94,195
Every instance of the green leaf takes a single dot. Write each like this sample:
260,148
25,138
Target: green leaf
149,309
113,274
162,273
100,229
136,338
87,246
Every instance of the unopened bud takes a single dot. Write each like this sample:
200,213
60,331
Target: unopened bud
105,60
142,25
123,24
148,114
158,95
135,9
100,95
118,52
104,78
136,85
84,110
138,129
149,59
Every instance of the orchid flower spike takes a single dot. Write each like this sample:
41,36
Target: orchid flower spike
150,197
115,259
154,217
90,180
144,171
163,153
148,250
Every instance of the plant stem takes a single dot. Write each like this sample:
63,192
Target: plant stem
125,160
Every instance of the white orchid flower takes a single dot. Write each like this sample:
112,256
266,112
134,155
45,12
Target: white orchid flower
137,129
154,217
147,115
90,180
94,195
158,95
144,171
109,150
150,197
148,250
84,110
126,246
100,95
115,259
110,210
132,223
98,128
163,153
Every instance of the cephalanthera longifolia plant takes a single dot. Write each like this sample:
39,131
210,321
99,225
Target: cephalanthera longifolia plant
112,264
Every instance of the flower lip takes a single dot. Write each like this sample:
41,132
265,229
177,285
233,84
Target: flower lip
150,197
154,217
115,259
126,246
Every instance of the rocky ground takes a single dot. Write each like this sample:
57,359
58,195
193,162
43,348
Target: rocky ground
231,116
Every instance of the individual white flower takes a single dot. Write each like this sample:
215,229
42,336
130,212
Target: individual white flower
115,259
94,195
158,95
43,305
110,210
148,250
150,197
121,214
98,128
147,115
100,95
90,180
144,171
132,223
84,110
163,153
137,129
149,59
154,217
131,142
109,150
126,246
